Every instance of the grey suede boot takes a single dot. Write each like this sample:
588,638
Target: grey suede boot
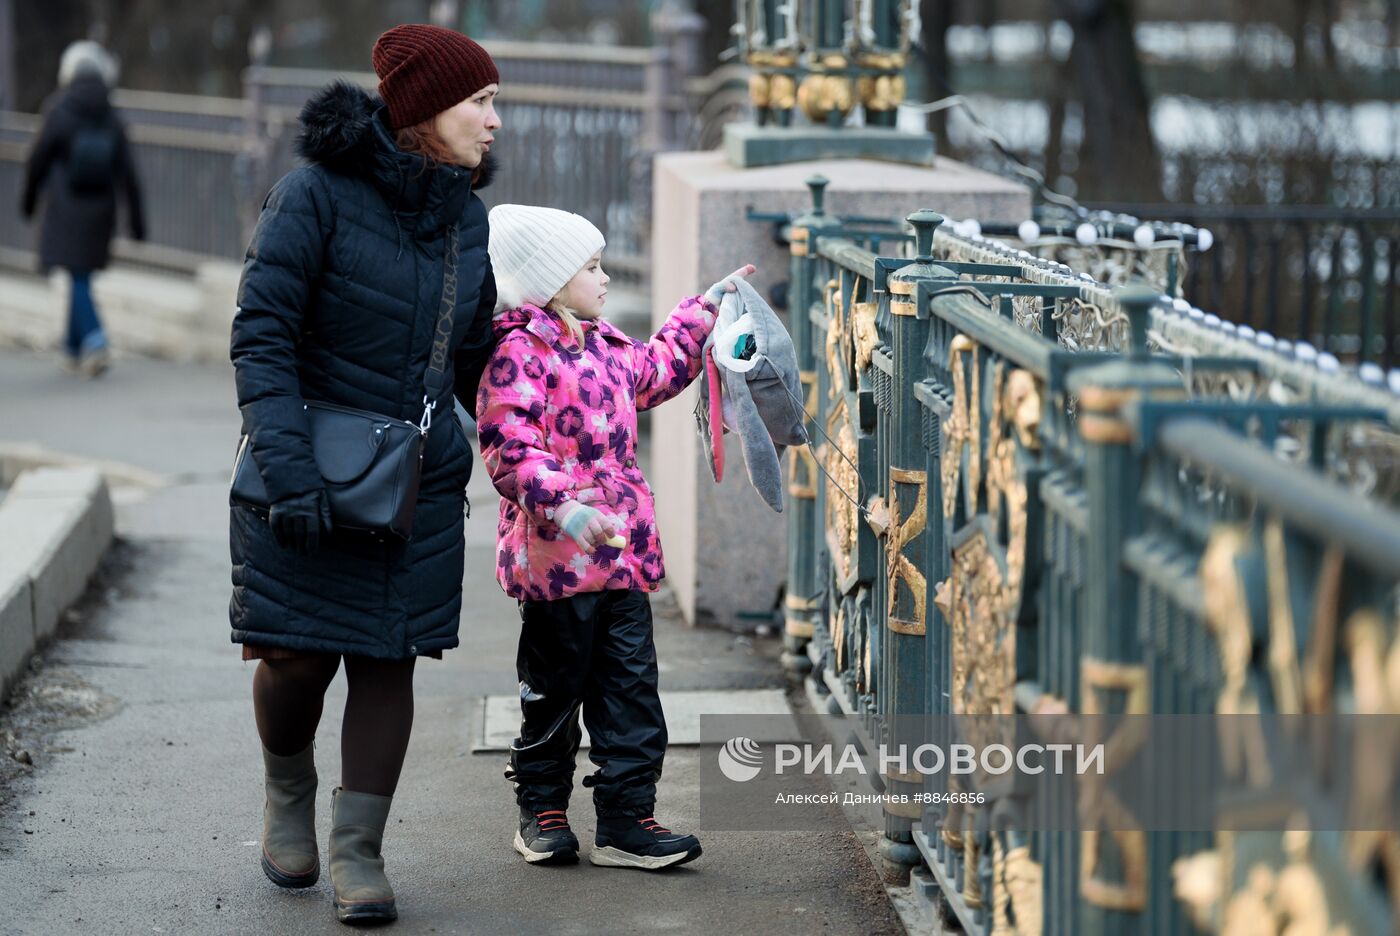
362,892
289,856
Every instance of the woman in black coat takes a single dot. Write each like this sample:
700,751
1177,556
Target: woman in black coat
80,159
339,303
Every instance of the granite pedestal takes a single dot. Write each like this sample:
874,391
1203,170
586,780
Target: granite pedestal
725,549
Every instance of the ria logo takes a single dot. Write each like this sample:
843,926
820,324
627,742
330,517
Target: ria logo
740,759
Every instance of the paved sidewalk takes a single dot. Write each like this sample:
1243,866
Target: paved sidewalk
143,807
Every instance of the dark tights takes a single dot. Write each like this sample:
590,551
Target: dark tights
287,701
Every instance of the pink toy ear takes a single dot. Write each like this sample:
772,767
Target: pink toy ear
716,415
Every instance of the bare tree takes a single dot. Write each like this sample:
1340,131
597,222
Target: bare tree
936,17
1118,159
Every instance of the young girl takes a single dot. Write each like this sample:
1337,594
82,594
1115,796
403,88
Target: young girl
557,414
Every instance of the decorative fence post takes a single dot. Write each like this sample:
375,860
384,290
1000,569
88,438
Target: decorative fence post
903,686
1113,873
804,589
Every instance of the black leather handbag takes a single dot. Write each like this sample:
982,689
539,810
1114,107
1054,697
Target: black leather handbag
371,464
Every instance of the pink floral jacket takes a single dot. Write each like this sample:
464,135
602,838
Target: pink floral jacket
559,424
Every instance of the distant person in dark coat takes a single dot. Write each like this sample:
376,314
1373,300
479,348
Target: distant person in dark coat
79,161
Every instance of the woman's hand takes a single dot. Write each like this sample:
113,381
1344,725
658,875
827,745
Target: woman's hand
729,284
583,524
299,522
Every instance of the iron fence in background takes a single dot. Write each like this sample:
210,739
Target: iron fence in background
583,123
582,126
1327,276
1036,495
189,153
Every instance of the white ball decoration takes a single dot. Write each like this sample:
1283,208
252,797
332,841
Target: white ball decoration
1144,236
1204,239
1028,231
1086,234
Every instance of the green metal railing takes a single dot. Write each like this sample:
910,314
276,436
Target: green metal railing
1039,496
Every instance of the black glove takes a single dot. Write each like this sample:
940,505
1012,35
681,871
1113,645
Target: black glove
298,522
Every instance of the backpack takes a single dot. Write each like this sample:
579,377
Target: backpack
92,158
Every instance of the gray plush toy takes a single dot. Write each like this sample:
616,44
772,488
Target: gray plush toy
752,387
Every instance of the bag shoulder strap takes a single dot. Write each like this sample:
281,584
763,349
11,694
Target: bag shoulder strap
435,378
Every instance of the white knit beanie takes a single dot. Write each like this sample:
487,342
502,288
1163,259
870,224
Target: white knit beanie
536,251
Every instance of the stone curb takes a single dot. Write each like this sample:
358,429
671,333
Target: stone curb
55,527
19,457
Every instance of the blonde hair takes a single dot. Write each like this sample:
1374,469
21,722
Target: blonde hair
566,315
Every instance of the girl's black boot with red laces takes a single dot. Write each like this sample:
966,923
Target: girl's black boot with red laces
629,842
545,837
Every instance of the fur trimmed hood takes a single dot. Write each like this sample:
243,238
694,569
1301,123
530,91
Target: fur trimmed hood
341,129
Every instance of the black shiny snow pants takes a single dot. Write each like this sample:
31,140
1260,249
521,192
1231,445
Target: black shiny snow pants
592,652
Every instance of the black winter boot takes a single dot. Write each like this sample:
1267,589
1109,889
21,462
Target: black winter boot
545,837
628,842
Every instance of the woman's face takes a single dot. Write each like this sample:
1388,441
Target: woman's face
588,290
468,127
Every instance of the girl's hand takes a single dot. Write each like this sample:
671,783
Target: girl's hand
729,284
584,525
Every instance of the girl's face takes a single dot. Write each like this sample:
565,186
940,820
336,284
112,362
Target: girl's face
588,290
468,127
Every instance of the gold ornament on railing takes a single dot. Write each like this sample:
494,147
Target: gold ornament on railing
1227,617
803,468
899,567
1101,811
882,92
842,517
760,89
1017,881
962,429
837,342
769,85
864,335
821,94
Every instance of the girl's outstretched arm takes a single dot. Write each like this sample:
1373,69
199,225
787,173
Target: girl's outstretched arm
673,358
665,365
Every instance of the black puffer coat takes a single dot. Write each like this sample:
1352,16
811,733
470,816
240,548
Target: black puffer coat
76,227
338,302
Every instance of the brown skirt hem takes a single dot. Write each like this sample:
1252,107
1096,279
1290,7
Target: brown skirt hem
256,652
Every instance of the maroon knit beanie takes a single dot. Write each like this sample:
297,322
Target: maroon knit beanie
424,70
